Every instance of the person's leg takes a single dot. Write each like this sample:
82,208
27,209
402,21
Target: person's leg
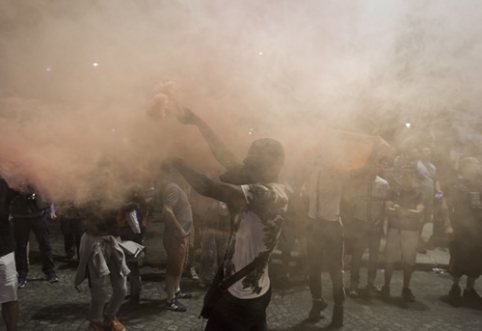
334,259
315,255
392,254
409,244
470,283
209,256
99,294
135,281
10,315
42,233
66,229
374,239
119,291
184,252
176,253
358,248
8,291
21,228
407,275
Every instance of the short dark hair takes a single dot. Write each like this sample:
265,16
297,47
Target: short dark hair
272,149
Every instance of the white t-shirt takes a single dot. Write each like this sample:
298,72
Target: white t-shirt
326,187
256,231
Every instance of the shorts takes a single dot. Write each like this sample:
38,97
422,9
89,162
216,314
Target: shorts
177,251
8,278
401,244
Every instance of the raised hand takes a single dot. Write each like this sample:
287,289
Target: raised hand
186,116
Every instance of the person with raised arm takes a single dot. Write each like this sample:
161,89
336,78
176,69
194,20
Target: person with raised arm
257,204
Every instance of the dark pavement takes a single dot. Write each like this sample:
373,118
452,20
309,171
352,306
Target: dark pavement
59,306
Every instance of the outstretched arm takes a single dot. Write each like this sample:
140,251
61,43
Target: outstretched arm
224,156
233,195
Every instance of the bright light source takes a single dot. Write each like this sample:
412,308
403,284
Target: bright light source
260,53
95,64
48,69
408,125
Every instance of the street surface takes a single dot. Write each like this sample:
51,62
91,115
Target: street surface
59,306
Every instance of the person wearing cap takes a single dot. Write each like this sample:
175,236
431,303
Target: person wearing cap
257,204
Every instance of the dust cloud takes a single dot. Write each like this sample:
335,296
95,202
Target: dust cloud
78,80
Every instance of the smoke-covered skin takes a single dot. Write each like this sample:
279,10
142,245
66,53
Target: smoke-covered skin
77,79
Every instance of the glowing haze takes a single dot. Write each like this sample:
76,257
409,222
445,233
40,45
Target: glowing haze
77,79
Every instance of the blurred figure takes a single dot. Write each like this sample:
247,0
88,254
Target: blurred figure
101,258
8,272
325,231
462,213
429,184
367,228
257,205
177,215
214,239
294,228
404,208
31,212
132,221
72,228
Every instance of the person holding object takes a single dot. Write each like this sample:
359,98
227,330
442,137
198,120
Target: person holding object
404,208
368,221
257,204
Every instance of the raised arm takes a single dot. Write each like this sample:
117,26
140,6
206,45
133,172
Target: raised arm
233,195
224,156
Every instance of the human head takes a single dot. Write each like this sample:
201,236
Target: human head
263,163
469,168
426,154
414,154
408,178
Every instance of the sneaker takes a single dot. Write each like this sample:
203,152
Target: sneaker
113,324
183,295
472,298
52,278
95,327
385,292
407,295
175,305
22,282
317,307
454,298
193,274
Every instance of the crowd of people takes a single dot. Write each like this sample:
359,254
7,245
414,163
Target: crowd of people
245,214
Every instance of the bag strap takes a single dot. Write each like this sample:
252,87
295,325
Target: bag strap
241,273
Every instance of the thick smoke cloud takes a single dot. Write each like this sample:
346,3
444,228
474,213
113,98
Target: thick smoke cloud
77,79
